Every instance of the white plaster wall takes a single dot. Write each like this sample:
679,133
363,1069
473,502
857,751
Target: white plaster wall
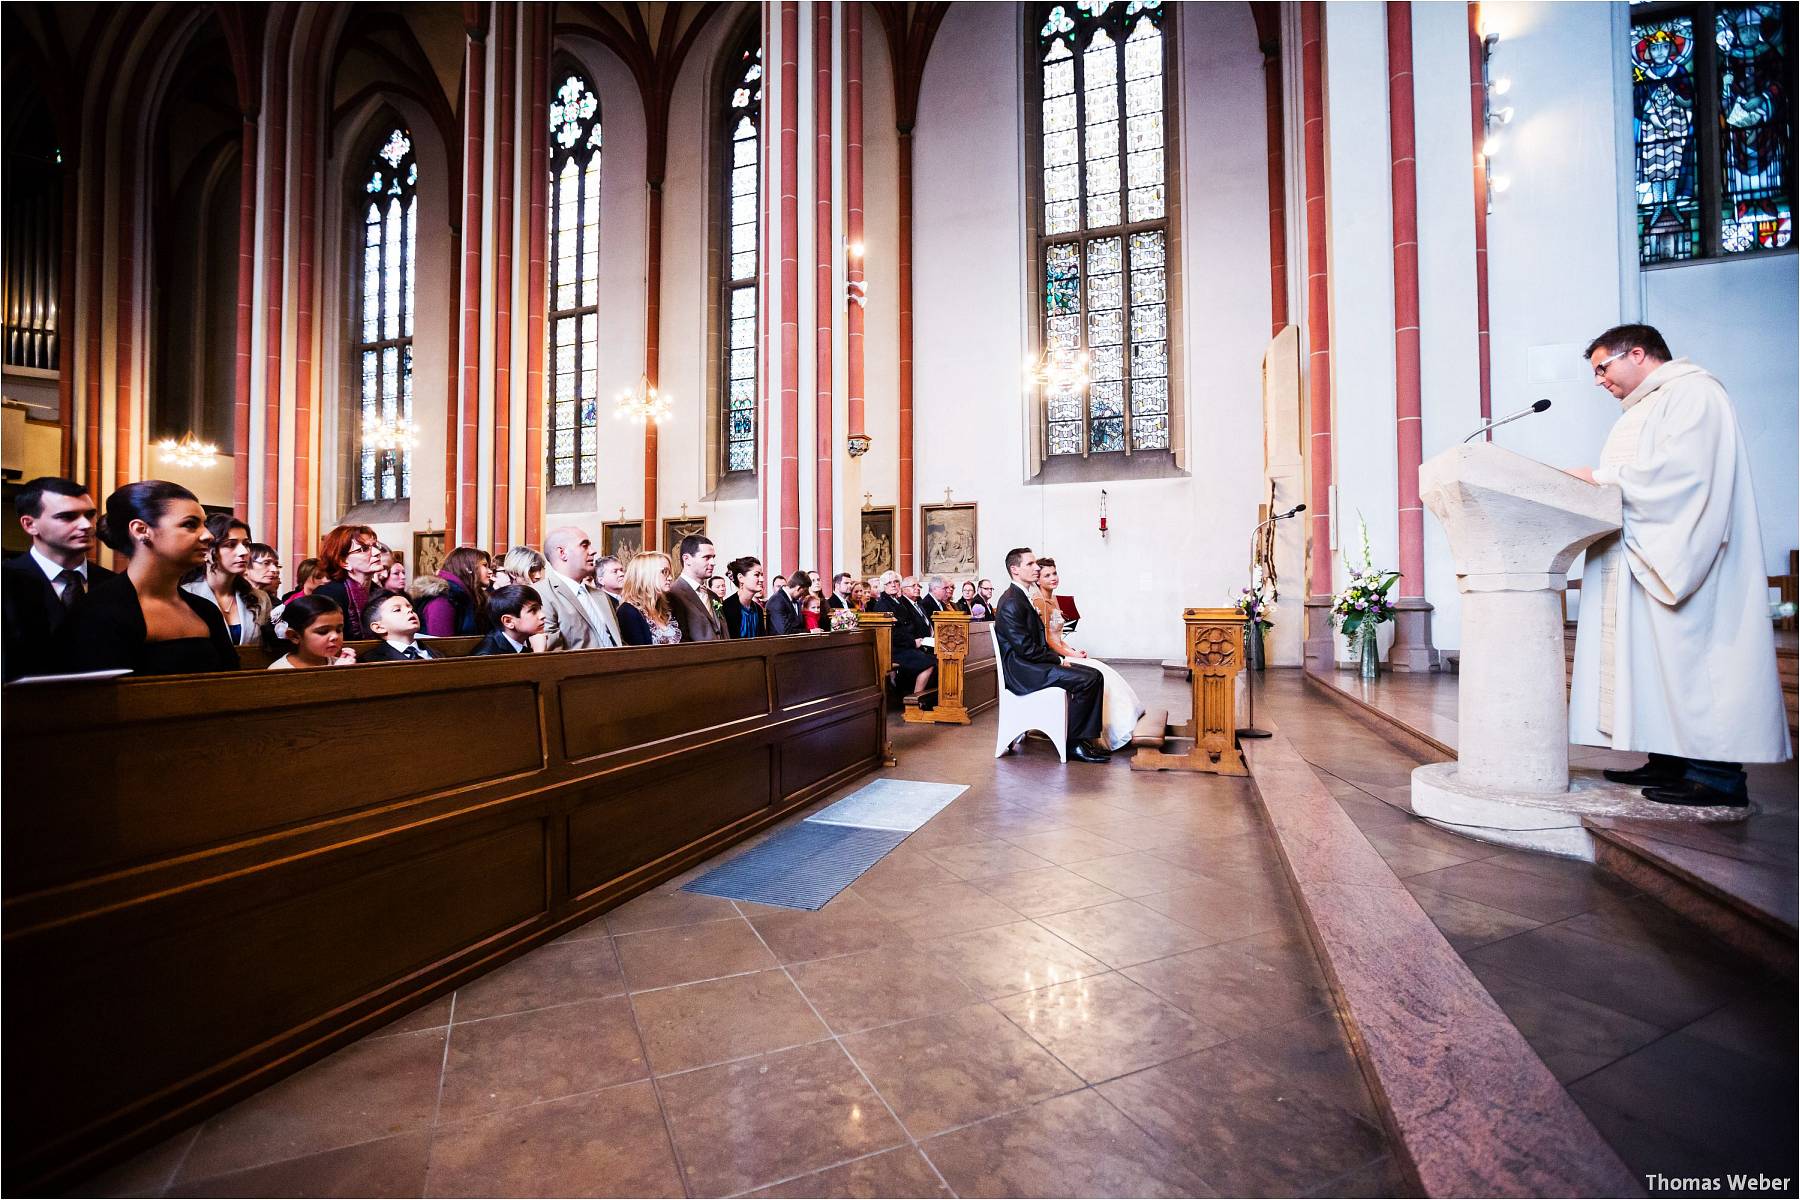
1174,542
1737,319
1553,245
1360,235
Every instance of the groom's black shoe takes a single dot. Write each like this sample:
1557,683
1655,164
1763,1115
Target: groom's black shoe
1083,752
1651,774
1696,795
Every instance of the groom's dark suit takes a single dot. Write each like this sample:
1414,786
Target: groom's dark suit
1031,665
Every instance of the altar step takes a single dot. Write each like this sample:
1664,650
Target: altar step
1736,886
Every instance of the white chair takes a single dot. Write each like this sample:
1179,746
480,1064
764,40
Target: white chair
1045,710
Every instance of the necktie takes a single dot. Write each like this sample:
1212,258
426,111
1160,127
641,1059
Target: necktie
412,652
73,586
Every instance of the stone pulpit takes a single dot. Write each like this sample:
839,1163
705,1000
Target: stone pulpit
1514,526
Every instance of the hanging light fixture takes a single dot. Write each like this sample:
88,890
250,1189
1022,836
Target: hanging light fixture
189,452
388,435
1058,370
641,404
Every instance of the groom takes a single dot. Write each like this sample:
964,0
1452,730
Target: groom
1031,665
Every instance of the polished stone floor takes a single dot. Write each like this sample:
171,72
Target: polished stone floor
1681,1053
1075,981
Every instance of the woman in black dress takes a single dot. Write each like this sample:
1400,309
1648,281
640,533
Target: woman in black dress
140,619
743,611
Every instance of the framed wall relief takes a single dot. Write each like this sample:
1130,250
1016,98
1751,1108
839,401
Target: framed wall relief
428,553
877,541
948,539
622,539
676,528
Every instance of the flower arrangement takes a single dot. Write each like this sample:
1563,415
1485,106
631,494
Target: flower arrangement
1257,601
843,619
1363,605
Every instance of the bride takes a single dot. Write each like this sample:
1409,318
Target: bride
1121,708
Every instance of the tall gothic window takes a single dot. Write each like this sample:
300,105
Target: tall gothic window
1103,227
741,153
1713,118
384,345
574,280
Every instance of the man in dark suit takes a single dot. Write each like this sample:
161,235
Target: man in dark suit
840,592
784,606
43,584
695,607
914,665
1030,665
937,597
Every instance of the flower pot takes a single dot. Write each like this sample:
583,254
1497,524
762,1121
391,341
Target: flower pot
1370,639
1253,645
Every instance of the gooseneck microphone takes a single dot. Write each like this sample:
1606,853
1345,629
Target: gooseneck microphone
1539,407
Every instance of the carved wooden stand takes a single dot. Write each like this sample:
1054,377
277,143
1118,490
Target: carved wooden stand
950,630
883,625
1215,655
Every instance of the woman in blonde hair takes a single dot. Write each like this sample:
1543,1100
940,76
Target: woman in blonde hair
645,618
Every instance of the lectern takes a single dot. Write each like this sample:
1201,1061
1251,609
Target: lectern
1514,526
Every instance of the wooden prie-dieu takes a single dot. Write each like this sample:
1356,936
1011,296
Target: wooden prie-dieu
214,880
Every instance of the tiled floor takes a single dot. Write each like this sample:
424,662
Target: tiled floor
1074,981
1682,1054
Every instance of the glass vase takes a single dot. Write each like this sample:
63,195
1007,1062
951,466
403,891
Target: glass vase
1370,646
1253,645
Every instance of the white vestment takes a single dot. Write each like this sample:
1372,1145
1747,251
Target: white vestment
1675,652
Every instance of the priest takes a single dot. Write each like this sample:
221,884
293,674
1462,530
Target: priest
1675,652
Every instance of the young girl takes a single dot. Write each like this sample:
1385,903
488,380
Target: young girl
314,627
461,610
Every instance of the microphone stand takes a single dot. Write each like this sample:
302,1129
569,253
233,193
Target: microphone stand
1251,731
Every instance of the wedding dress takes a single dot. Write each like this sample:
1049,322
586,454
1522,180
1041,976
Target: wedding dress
1120,707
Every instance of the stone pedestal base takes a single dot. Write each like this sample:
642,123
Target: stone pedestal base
1412,649
1321,650
1547,822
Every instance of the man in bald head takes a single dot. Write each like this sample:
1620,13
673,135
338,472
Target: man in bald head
577,615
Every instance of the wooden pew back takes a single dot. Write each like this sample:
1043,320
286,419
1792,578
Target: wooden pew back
213,880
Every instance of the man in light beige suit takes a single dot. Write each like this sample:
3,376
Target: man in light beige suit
577,615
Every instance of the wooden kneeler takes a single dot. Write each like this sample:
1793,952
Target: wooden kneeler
1215,656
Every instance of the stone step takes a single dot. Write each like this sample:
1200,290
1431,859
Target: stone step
1738,888
1175,666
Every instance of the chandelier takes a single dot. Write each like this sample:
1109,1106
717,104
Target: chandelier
190,452
1058,370
380,435
641,403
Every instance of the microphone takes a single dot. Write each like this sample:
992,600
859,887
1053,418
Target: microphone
1539,407
1298,508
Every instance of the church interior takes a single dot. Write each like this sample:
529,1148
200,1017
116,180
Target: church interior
1249,353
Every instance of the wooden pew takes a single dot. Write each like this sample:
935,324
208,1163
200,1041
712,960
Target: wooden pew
967,677
211,881
255,658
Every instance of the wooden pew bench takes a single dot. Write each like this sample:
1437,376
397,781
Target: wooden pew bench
211,881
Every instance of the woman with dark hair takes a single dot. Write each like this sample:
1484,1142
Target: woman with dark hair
744,615
225,580
140,619
350,555
462,610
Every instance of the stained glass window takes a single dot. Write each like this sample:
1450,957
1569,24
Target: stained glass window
571,427
1104,224
740,127
1714,129
388,209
